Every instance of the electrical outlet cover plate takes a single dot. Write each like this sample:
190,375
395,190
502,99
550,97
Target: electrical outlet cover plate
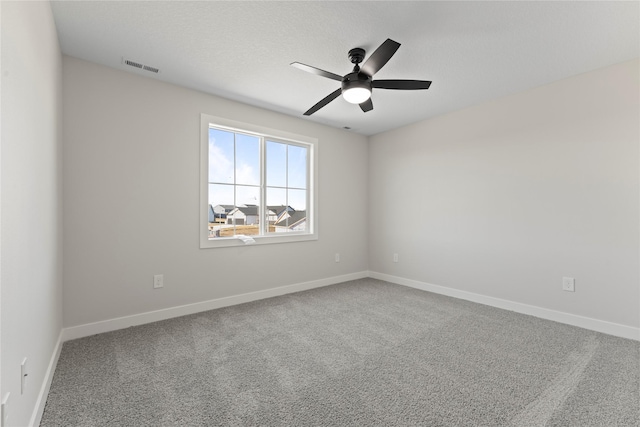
569,284
158,281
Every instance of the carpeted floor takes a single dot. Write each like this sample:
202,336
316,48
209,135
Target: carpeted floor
361,353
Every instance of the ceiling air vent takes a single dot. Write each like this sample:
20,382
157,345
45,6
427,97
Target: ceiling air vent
140,66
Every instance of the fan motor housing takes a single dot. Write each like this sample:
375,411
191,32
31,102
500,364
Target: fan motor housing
352,80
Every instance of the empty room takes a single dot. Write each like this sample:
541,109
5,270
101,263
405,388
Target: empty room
315,213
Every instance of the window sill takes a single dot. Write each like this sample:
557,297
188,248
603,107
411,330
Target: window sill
225,242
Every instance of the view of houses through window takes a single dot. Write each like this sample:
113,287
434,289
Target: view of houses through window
256,185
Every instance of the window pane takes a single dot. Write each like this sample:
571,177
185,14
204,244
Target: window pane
221,157
247,196
291,220
276,196
297,159
220,194
277,199
247,160
276,205
246,216
297,199
295,217
220,205
276,164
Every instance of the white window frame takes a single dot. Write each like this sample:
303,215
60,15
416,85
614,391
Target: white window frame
272,134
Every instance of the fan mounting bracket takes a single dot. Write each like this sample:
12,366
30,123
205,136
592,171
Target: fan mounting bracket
356,55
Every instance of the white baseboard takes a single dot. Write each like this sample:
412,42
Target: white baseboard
543,313
38,410
88,329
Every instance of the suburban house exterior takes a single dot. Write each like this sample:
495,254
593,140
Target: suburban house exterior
244,215
281,218
218,213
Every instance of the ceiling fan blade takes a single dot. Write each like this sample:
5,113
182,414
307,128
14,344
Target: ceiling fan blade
380,57
367,105
327,99
401,84
316,71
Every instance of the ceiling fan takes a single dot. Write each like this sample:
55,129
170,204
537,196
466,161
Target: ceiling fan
357,85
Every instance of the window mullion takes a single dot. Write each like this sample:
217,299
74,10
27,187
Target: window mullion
310,201
264,221
235,188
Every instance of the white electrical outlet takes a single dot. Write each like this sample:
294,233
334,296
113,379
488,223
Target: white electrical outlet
158,281
23,376
337,257
4,412
569,284
395,257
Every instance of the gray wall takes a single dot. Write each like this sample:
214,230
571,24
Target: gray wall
506,198
131,188
30,194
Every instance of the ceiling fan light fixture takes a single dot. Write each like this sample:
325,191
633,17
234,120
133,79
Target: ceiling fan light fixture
356,95
356,89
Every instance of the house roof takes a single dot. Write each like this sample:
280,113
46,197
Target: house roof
278,209
293,219
227,208
249,210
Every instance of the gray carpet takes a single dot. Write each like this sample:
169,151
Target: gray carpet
361,353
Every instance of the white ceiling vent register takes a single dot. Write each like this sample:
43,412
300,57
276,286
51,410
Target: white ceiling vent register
140,66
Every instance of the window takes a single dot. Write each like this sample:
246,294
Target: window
255,182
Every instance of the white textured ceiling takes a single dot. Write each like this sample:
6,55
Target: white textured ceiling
472,51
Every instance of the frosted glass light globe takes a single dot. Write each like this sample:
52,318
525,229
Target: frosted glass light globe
356,95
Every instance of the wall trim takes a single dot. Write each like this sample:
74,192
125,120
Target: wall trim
80,331
38,410
603,326
85,330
